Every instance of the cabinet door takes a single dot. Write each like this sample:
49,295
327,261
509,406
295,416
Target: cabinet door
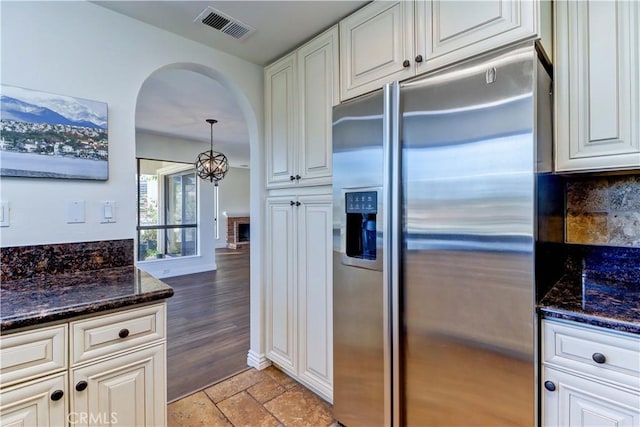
374,43
128,390
281,315
578,402
449,31
315,277
280,120
597,85
318,82
30,404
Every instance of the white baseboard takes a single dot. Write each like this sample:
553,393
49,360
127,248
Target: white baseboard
258,361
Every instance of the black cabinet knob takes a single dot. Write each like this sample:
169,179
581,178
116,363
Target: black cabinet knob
292,178
298,177
57,395
406,63
123,333
419,58
549,386
291,203
298,203
599,358
81,386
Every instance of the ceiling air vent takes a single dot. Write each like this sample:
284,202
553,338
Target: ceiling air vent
224,23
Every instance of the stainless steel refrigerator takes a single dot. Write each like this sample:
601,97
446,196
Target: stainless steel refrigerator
437,183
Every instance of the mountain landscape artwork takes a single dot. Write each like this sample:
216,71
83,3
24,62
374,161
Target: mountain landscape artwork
43,135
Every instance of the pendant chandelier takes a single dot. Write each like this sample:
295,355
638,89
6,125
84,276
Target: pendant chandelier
212,165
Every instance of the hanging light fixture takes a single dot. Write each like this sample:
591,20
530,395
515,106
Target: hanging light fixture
212,165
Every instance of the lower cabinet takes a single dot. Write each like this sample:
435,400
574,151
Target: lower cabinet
590,376
111,370
299,320
127,390
579,402
36,403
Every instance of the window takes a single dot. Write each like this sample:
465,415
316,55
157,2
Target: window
167,210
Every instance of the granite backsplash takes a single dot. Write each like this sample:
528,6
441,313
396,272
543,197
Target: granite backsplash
603,210
24,262
617,264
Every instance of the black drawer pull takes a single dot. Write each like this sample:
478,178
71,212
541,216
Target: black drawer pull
406,63
123,333
81,386
549,386
57,395
599,358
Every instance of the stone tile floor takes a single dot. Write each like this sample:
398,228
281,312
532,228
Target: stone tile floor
252,398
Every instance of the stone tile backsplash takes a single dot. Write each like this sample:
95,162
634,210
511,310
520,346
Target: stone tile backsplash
604,211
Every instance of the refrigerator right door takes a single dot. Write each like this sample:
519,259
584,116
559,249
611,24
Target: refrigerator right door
467,292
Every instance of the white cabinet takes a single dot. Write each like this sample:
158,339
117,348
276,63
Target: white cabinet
579,402
39,403
597,85
280,123
126,390
300,91
449,31
299,310
32,354
281,295
591,376
386,41
102,370
376,47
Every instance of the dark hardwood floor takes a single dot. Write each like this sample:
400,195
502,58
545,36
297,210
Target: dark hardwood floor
208,324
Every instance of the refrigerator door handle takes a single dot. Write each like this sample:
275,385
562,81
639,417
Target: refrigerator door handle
395,218
387,141
391,251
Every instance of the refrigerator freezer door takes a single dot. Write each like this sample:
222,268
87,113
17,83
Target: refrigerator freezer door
361,360
468,174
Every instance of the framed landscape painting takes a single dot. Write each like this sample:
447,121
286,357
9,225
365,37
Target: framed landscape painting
43,135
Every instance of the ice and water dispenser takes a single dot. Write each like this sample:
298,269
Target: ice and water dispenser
361,209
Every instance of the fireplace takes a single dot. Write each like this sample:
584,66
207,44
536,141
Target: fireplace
238,228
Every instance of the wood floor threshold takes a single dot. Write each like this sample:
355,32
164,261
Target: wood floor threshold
209,385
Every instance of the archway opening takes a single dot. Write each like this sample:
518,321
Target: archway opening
211,281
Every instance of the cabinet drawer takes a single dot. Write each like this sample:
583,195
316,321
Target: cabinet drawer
32,354
109,334
578,348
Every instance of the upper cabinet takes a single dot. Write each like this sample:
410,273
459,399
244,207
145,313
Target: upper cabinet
376,46
301,90
597,85
387,41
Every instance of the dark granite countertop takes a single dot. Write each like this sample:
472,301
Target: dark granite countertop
595,301
32,301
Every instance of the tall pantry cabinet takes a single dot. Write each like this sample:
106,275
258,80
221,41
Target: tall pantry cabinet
301,89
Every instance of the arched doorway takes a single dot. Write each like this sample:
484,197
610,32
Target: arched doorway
172,106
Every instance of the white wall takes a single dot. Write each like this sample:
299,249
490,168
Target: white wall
80,49
83,50
233,198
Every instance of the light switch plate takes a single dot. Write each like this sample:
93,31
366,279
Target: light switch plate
108,212
4,214
75,211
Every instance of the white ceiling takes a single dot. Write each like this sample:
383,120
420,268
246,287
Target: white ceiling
176,102
280,25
